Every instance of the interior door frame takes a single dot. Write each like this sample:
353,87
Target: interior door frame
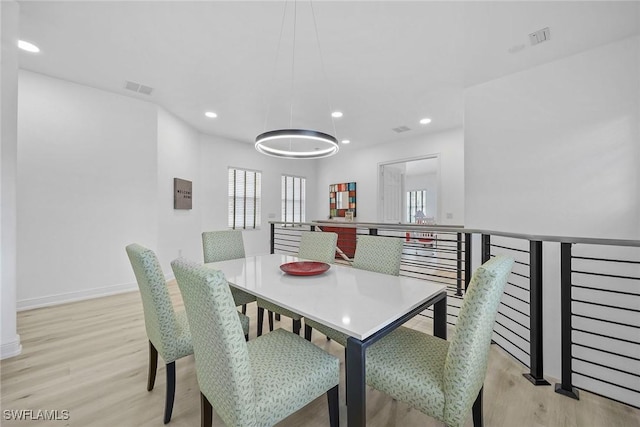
380,194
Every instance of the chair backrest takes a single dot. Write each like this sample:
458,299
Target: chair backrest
221,355
222,245
379,254
318,246
466,364
159,315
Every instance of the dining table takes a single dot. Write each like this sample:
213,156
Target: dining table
363,304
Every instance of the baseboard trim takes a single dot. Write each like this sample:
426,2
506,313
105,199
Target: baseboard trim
11,349
49,300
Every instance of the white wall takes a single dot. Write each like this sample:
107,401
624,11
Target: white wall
361,166
218,155
87,187
178,157
9,339
96,173
555,150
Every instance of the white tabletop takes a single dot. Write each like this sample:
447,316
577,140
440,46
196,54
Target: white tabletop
356,302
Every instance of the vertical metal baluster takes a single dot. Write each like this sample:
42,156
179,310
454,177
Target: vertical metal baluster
486,247
536,374
467,260
459,265
565,388
272,248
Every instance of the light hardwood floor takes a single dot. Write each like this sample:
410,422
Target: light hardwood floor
90,358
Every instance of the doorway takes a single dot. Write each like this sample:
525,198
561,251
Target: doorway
409,190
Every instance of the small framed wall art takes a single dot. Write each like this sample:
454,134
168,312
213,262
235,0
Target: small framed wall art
342,199
182,193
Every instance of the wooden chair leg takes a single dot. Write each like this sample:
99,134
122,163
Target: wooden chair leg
477,410
334,415
206,412
271,321
260,320
308,330
171,391
297,325
153,366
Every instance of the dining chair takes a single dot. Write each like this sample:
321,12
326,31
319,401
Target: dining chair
314,246
380,254
223,245
255,383
167,330
444,379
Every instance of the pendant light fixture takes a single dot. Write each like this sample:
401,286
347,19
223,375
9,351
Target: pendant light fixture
295,143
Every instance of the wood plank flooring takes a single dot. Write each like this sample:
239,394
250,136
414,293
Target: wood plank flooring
90,358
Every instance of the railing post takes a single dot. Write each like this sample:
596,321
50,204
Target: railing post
467,260
273,250
536,374
459,264
486,247
565,387
486,254
273,239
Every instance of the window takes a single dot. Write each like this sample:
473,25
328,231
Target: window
416,205
244,198
293,198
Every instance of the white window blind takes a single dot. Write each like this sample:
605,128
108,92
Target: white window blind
416,204
244,198
293,198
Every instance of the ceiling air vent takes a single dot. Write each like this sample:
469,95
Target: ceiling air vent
145,90
401,129
137,87
540,36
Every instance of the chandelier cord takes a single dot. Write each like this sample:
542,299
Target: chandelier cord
267,142
275,65
293,61
293,68
324,73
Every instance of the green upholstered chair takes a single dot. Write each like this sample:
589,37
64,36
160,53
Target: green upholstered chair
442,378
167,330
314,246
255,383
224,245
374,253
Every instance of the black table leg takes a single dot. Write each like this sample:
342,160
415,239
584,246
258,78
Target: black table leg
440,318
355,354
356,378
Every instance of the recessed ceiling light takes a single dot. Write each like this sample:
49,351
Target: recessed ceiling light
29,47
211,114
425,121
336,114
345,141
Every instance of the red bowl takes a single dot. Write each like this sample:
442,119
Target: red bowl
305,268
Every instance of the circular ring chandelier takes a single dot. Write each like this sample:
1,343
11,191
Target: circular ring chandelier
297,144
294,143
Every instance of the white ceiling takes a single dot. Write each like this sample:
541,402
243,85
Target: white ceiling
386,63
